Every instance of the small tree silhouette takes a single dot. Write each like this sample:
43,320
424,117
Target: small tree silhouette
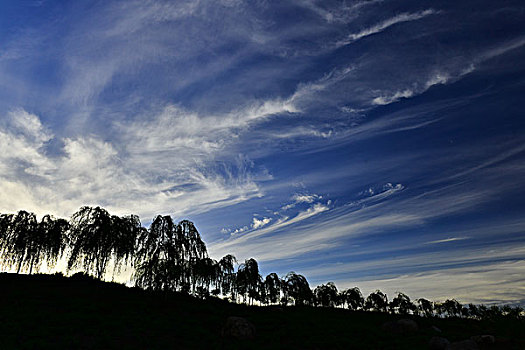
227,274
452,307
297,288
326,295
401,304
377,301
353,298
272,284
426,307
248,280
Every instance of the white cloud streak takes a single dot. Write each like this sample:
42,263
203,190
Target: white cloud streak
500,283
343,14
446,240
381,26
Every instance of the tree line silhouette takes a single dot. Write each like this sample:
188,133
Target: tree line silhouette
171,256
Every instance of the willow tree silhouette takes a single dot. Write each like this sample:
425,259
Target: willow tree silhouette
451,306
249,280
159,259
126,230
227,275
96,237
376,301
297,289
5,223
194,250
19,244
353,298
26,243
402,304
51,241
172,257
326,295
206,272
426,307
272,285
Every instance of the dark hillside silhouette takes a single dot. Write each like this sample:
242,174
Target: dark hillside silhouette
82,312
172,257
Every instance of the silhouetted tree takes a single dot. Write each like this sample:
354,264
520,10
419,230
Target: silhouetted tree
49,242
482,311
515,312
439,309
207,272
473,311
5,223
426,307
172,257
193,249
125,230
297,288
262,295
227,275
401,304
272,284
493,313
353,298
377,301
326,294
248,279
20,240
26,243
96,237
159,260
452,307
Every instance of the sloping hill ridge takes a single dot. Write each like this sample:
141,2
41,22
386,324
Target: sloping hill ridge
56,312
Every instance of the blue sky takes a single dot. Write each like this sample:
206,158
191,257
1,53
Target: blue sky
375,143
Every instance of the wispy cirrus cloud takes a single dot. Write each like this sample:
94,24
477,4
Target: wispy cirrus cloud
257,229
369,216
442,77
344,13
446,240
438,78
146,180
379,27
301,198
492,283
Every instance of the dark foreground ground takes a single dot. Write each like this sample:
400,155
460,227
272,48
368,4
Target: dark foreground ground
52,312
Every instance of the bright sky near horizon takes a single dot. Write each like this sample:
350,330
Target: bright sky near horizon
375,143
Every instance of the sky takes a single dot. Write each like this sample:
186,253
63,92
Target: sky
372,143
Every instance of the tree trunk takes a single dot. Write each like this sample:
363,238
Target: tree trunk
32,263
19,266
